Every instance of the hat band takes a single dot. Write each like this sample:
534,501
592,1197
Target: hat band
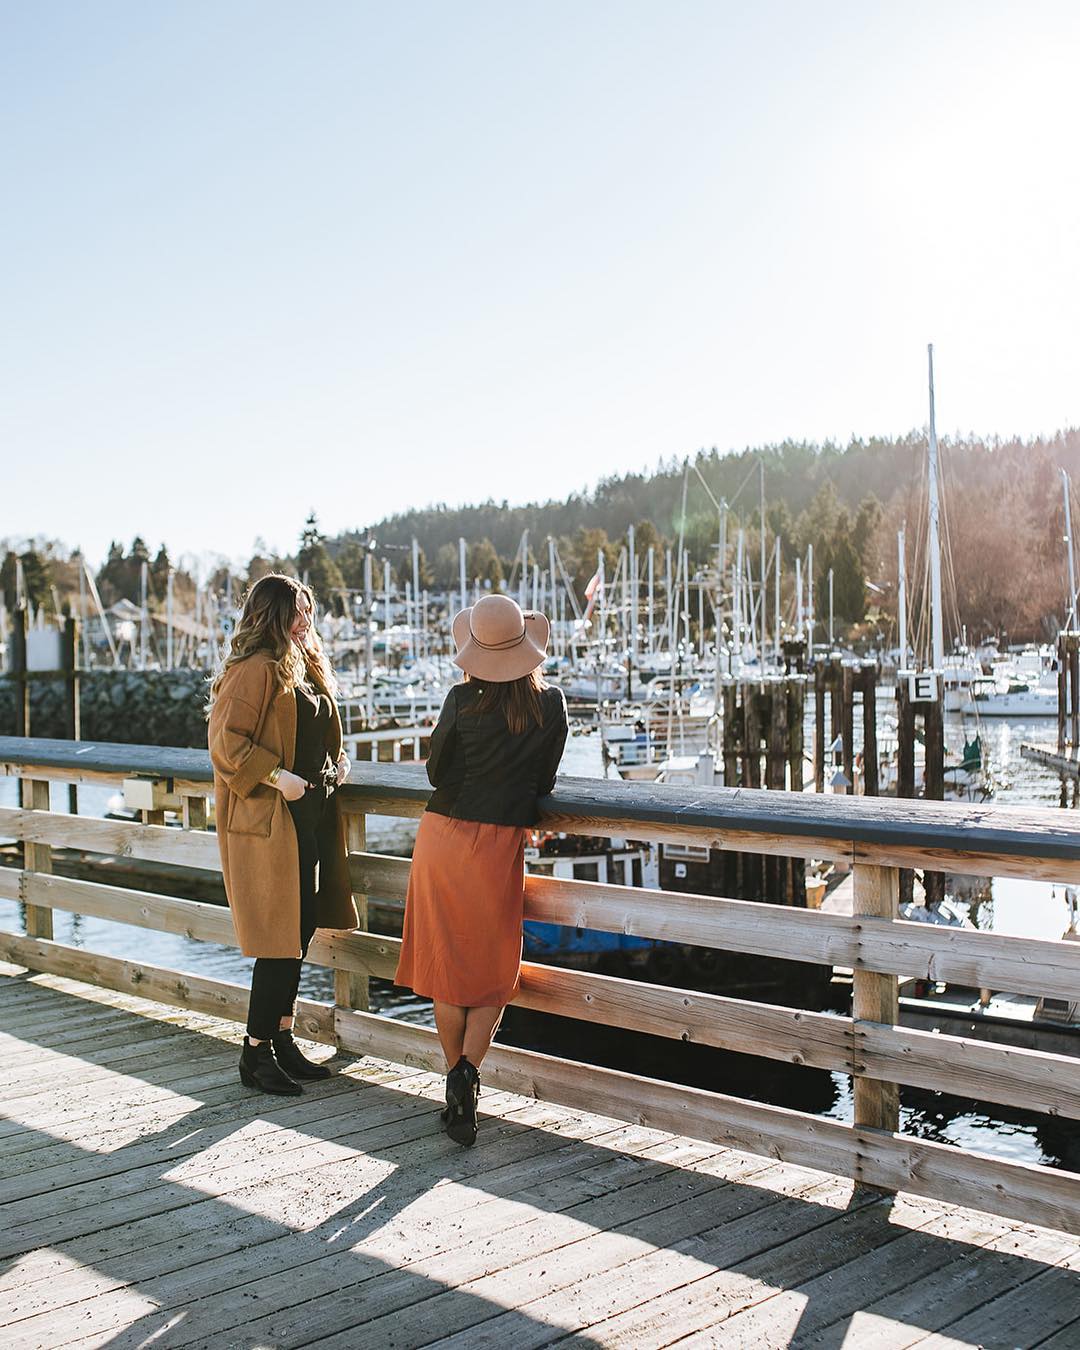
498,646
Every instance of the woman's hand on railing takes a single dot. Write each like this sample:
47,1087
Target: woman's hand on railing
290,785
343,766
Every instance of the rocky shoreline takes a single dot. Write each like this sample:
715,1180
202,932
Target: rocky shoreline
131,707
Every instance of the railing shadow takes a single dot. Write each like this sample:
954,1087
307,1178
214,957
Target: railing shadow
343,1254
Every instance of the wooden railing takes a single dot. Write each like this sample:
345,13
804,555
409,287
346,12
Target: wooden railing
876,837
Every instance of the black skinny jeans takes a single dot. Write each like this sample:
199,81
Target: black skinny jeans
275,980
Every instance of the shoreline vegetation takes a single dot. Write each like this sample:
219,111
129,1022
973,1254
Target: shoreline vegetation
1003,526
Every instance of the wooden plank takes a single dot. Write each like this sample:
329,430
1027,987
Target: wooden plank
599,1270
965,956
526,1145
877,1158
141,909
1025,1315
453,1223
955,1288
117,838
1029,1079
786,1034
976,838
488,1236
221,999
37,857
1023,1078
351,988
802,1288
875,997
195,813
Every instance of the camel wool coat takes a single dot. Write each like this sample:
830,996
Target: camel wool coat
253,728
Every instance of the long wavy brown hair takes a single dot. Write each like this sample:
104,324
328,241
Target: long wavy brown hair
269,612
517,700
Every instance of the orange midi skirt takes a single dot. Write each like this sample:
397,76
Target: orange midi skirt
461,940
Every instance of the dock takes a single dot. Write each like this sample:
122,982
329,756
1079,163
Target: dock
1064,762
149,1199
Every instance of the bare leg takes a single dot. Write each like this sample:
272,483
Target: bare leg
450,1024
481,1025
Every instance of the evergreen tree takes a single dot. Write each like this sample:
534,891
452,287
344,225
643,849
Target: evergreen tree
485,565
315,564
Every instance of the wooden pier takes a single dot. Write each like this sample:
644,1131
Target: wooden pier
150,1200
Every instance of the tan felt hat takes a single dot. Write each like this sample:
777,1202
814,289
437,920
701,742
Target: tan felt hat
496,641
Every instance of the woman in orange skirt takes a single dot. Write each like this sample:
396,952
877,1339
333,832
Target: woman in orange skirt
495,751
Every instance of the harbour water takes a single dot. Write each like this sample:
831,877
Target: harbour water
1022,908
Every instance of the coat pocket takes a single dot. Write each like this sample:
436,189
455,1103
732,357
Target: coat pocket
253,814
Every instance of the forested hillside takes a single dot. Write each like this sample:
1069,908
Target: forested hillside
1003,522
1003,527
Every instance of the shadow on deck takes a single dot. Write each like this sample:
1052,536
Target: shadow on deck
148,1199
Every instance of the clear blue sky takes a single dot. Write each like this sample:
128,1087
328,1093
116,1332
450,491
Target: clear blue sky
263,257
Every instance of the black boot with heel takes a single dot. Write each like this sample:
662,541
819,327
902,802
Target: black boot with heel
292,1059
462,1095
259,1069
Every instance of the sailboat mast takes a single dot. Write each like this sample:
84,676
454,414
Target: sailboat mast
1070,618
901,599
937,637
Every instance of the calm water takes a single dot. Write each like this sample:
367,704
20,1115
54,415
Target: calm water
1031,909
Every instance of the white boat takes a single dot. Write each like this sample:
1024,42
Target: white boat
1011,698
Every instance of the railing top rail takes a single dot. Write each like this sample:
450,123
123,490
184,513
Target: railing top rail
949,827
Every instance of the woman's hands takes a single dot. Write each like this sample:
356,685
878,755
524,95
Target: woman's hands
343,767
290,785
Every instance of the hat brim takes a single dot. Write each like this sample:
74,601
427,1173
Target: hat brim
509,664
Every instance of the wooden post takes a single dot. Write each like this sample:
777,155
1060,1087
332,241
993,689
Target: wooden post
934,788
819,728
37,857
1074,683
195,813
905,767
796,704
875,998
847,714
871,782
796,696
69,661
1063,690
351,989
777,871
731,733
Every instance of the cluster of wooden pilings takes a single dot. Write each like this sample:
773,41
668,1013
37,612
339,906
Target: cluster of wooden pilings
763,747
841,681
839,686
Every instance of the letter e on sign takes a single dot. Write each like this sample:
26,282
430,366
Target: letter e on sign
922,688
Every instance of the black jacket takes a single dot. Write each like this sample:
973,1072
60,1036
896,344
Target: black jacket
480,771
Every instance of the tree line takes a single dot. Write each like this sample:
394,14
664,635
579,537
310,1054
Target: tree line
1003,528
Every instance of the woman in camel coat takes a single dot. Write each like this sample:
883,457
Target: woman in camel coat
280,833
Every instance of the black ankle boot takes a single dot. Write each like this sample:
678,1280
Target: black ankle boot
259,1069
462,1095
292,1060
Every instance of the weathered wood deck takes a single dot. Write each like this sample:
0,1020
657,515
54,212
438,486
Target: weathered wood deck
148,1199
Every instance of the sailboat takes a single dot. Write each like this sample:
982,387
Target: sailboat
968,778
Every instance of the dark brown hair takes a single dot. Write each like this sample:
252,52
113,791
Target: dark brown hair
517,700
